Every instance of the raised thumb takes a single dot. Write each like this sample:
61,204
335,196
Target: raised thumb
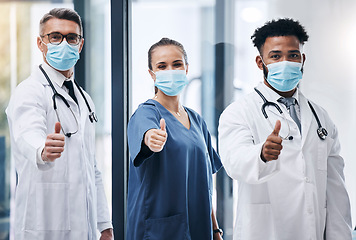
57,127
162,124
277,128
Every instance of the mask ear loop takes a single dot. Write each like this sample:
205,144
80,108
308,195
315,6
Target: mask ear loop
152,72
155,88
302,63
265,67
46,46
263,61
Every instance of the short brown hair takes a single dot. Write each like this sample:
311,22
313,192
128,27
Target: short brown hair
166,42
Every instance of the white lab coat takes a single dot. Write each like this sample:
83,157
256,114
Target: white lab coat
301,195
64,200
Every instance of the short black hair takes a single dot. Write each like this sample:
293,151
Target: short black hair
61,13
276,28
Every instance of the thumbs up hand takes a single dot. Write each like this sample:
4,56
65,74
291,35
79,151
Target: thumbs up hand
155,139
273,145
54,145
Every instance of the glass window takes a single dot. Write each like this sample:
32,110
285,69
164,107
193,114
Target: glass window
179,20
20,25
97,78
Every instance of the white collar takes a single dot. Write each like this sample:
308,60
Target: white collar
274,96
56,76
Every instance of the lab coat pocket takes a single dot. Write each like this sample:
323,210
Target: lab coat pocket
324,149
258,222
172,228
52,206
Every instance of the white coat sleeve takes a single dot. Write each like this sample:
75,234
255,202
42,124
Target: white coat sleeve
103,213
26,115
240,154
338,213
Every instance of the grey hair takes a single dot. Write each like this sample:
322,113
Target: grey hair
61,13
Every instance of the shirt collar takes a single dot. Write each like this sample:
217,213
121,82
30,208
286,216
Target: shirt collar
274,96
55,76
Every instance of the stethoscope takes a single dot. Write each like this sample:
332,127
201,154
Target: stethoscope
322,133
92,115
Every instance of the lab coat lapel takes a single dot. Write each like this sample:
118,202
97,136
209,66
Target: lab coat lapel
270,110
69,99
273,110
306,117
59,89
82,106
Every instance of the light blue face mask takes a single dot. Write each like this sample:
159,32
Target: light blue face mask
63,56
284,76
171,82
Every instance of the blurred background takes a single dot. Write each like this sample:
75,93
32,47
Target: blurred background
216,35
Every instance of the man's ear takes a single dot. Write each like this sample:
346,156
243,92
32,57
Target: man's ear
39,44
259,62
81,45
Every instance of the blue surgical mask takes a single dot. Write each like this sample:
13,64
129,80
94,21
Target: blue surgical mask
284,76
171,82
63,56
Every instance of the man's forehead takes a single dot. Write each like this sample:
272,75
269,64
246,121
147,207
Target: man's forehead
285,51
61,25
282,43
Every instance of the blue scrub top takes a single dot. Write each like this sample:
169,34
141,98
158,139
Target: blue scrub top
170,192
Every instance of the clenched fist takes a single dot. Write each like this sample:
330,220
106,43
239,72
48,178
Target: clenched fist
273,145
155,139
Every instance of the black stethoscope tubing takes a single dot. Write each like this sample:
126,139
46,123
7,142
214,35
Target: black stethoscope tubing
322,132
92,115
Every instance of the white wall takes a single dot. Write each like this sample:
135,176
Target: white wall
330,72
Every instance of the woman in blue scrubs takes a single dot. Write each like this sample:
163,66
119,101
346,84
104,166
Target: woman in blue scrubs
171,158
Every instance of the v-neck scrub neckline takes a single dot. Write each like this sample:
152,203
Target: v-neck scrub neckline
158,104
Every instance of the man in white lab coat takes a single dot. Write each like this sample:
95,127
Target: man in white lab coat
60,194
290,179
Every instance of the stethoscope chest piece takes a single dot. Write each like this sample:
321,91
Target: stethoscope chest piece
322,133
93,117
